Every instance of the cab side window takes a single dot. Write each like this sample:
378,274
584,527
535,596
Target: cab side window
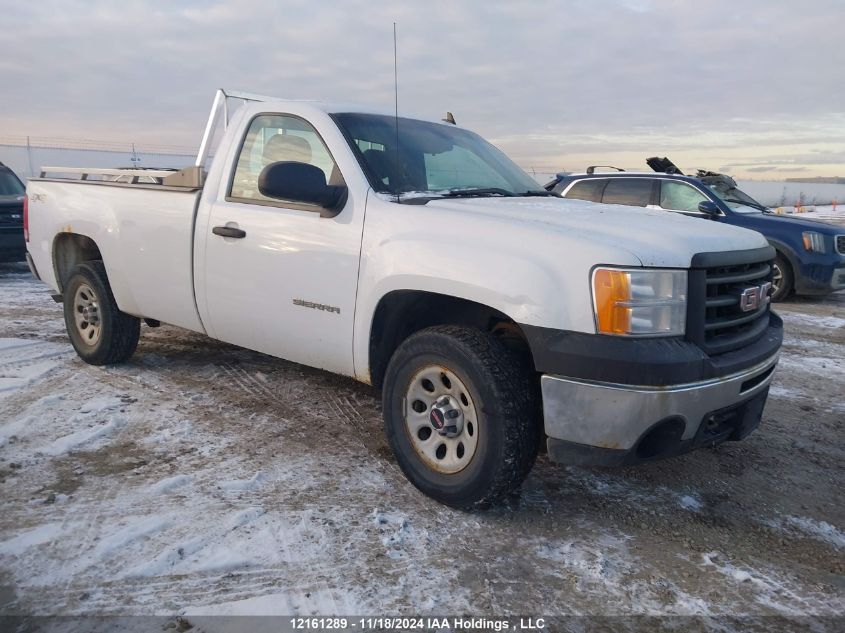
635,192
274,138
589,190
679,196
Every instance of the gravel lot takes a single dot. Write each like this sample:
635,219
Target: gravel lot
204,479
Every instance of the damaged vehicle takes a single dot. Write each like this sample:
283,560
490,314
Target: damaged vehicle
809,254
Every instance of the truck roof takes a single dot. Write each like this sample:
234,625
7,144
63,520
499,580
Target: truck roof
329,107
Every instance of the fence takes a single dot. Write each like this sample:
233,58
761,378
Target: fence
791,194
26,155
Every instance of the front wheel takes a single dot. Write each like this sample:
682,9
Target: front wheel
100,333
461,415
782,278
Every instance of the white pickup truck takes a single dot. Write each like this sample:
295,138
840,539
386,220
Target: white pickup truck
491,313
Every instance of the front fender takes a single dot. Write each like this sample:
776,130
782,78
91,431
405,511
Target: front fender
526,291
523,290
530,274
787,251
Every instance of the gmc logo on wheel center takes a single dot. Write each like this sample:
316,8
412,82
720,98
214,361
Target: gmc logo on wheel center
754,297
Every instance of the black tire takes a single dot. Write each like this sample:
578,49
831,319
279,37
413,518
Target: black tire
505,392
787,278
118,332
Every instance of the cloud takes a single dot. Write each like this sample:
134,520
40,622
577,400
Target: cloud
770,168
760,169
549,81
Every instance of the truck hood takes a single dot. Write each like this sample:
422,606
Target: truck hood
656,238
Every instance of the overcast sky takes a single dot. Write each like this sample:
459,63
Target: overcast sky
756,87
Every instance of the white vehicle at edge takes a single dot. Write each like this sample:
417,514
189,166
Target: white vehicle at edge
490,313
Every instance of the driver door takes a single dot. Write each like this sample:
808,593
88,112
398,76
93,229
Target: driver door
279,278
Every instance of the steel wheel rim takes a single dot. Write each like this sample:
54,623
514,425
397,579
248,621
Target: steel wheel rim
427,389
86,313
777,278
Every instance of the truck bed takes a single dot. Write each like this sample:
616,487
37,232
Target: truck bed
154,224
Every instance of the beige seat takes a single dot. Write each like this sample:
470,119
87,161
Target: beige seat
286,147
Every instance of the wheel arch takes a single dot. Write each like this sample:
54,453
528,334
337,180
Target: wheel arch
116,332
787,251
401,313
70,250
793,264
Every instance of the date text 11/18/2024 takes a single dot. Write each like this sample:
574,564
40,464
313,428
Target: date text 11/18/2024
415,623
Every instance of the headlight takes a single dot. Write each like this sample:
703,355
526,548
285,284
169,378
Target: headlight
814,242
640,302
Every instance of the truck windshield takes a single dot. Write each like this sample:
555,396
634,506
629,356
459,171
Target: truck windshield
736,198
434,160
10,186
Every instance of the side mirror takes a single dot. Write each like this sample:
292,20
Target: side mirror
710,208
300,182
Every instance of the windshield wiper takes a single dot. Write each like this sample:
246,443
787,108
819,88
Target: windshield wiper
539,192
470,193
495,191
753,205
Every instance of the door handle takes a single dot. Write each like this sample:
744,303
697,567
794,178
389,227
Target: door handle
228,231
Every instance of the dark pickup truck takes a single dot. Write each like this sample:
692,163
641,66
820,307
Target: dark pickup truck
12,244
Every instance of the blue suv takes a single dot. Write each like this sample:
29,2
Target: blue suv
810,254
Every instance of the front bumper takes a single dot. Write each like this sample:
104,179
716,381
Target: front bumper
820,279
598,423
837,280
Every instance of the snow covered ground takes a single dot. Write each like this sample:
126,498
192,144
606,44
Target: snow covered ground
202,479
828,213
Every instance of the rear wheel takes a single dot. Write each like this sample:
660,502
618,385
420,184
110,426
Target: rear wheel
782,278
461,415
100,333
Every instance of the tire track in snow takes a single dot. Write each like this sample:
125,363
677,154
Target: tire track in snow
102,506
236,377
99,510
255,383
25,364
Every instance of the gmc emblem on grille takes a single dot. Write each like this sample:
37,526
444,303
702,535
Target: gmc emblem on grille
754,297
